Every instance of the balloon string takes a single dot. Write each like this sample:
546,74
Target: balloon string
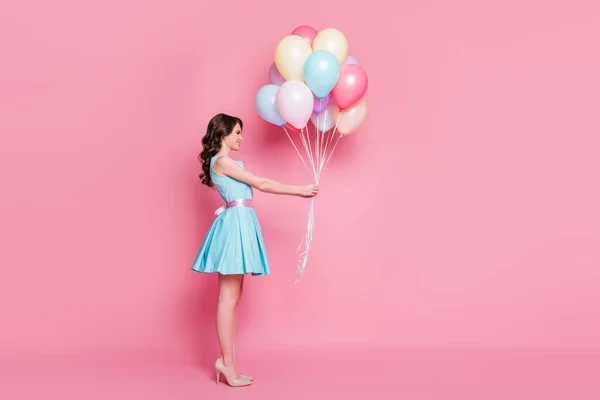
317,141
323,165
296,148
308,241
332,150
309,154
324,149
312,155
330,139
318,161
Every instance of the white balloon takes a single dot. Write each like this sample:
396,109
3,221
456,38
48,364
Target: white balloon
326,119
295,102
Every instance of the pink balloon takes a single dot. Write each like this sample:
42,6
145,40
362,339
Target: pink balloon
275,76
351,85
294,102
306,32
292,127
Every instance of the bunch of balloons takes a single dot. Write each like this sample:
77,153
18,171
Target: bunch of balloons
313,73
314,79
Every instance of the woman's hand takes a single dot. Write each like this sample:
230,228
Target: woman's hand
309,191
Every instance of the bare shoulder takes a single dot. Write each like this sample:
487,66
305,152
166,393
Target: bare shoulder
226,165
224,161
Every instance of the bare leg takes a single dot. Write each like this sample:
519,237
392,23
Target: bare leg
235,325
229,294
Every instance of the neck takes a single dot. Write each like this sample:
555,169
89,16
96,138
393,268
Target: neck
223,152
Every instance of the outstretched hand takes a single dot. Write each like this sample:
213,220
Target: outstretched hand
309,191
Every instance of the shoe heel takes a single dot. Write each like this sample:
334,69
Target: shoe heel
222,370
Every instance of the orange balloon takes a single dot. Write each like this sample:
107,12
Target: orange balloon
352,118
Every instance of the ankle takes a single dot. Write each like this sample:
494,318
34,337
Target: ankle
228,362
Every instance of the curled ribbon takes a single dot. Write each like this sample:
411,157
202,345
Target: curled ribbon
235,203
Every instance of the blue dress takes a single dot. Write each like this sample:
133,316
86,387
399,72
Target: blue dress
234,242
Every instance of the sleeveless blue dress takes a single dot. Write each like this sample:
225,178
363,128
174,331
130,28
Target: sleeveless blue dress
234,243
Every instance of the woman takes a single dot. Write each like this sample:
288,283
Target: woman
234,243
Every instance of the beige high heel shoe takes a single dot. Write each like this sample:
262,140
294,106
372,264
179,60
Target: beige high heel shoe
247,377
242,375
220,368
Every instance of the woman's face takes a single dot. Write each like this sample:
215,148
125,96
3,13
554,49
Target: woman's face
234,139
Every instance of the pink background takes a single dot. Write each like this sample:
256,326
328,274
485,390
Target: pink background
474,221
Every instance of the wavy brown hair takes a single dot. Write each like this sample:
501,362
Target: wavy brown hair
219,126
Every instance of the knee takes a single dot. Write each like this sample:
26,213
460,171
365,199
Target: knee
229,299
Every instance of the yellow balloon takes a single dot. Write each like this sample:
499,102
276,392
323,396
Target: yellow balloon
333,41
290,55
351,118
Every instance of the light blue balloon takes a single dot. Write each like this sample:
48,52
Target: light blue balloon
265,105
321,72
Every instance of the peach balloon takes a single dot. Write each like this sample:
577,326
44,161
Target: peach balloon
352,118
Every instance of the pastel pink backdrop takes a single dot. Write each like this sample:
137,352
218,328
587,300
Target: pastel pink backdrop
473,218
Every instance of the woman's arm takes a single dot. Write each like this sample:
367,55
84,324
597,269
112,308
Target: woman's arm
226,166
